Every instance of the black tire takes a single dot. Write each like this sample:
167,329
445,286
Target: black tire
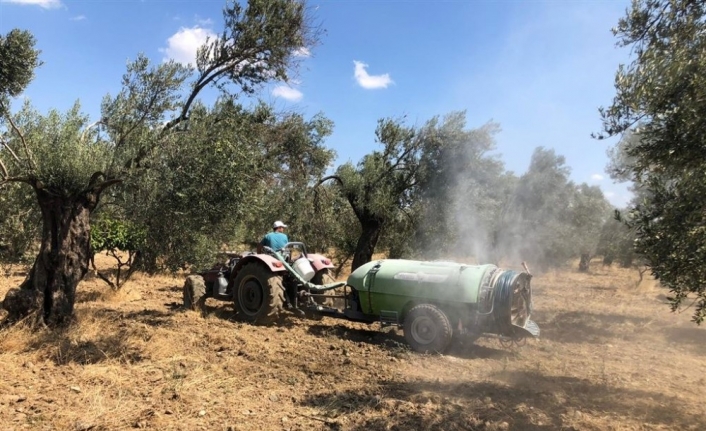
258,293
427,329
194,292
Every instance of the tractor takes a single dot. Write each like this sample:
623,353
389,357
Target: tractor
261,286
434,302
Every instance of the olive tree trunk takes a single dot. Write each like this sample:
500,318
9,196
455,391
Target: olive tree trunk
365,247
584,262
49,291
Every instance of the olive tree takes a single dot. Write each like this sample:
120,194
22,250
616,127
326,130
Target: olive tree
381,185
661,97
69,162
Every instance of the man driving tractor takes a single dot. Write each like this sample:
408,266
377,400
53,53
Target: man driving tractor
276,239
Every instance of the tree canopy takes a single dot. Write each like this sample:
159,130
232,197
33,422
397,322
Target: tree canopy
660,109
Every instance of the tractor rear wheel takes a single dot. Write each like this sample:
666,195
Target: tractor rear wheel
258,293
427,329
194,292
323,277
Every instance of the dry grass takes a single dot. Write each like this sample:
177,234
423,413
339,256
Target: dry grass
611,357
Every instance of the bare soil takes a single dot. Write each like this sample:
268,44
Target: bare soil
611,357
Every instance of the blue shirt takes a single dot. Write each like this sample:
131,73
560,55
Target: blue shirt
275,240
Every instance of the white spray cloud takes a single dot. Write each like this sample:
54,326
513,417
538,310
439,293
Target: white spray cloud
368,81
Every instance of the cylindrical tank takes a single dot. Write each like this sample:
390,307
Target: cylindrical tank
479,295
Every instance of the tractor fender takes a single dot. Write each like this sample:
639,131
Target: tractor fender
319,261
273,264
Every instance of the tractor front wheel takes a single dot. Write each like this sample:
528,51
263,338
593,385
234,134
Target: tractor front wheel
258,293
427,329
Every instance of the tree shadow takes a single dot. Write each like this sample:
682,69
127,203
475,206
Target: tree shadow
88,296
154,318
694,339
170,289
580,327
110,345
518,400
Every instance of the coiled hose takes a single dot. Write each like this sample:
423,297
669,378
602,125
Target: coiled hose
502,302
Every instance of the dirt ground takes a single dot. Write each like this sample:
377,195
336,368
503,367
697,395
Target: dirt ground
611,357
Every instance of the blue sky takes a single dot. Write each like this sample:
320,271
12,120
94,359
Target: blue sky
540,68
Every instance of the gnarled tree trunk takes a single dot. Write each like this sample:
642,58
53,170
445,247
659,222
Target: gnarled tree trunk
584,262
367,241
49,291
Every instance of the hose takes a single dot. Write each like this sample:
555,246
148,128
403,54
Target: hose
502,302
308,285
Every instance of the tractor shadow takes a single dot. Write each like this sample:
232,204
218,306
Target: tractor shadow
391,339
521,400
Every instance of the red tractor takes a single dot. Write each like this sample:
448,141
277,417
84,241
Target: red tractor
260,285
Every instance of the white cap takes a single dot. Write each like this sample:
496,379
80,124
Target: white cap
278,224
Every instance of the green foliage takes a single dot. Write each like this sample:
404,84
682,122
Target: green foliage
381,186
589,211
463,189
258,43
293,154
537,223
118,238
617,243
116,235
18,60
175,158
19,224
660,104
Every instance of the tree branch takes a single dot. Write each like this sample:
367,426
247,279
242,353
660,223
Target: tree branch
12,153
330,177
5,174
28,153
89,127
105,184
17,180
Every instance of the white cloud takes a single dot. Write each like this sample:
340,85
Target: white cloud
182,46
46,4
368,81
609,194
78,18
302,52
288,93
203,22
597,177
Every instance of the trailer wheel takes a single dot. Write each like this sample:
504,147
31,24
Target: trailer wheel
258,293
194,292
427,329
